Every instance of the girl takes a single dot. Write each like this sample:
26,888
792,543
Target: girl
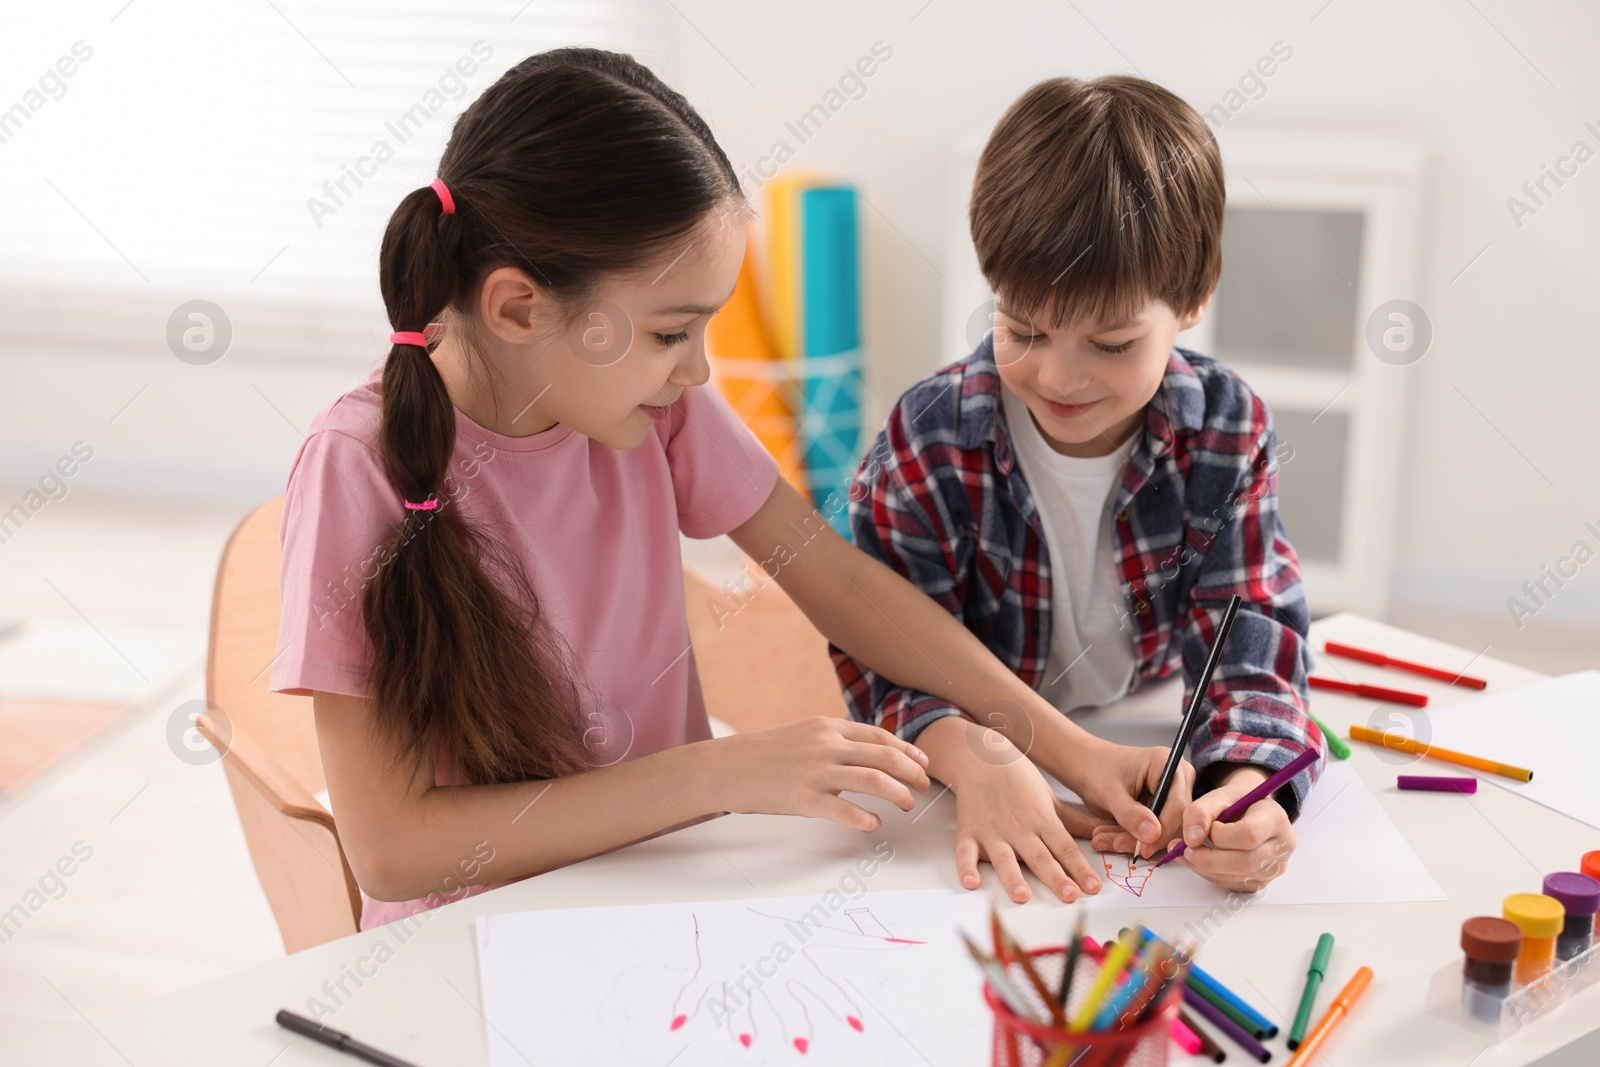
481,586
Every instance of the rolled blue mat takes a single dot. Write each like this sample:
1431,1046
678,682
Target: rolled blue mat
830,345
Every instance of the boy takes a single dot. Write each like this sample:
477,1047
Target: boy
1083,495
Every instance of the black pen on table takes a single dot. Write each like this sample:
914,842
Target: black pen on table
341,1041
1191,716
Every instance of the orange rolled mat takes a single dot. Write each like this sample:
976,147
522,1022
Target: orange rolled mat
757,383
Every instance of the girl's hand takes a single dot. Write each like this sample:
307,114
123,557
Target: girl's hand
800,768
1111,782
1247,853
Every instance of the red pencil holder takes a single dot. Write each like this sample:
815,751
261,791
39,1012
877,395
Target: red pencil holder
1020,1042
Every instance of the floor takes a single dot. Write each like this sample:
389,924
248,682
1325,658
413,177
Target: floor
115,597
161,894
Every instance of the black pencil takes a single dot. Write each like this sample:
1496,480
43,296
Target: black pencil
1072,960
1191,717
339,1040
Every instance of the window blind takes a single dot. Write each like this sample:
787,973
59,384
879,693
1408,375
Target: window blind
243,153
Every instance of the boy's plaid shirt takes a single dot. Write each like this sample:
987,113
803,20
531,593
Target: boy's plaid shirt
939,498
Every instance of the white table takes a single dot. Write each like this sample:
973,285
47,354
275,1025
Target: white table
421,1002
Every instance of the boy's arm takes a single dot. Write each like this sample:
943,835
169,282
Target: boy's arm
900,517
882,518
1257,699
902,520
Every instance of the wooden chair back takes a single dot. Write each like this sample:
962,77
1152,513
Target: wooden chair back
268,743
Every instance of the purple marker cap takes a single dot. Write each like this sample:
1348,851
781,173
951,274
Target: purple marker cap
1437,784
1578,893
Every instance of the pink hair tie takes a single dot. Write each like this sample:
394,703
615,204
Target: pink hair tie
427,505
408,338
446,201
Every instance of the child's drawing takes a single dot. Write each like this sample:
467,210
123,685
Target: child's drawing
1130,873
853,980
784,994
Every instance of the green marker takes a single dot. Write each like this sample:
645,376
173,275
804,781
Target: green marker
1319,964
1218,1001
1336,743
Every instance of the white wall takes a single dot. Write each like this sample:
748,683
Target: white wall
1489,494
1512,334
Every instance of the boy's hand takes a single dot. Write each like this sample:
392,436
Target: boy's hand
1248,853
1007,813
1111,780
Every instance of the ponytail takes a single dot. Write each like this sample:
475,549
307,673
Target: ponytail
575,165
456,660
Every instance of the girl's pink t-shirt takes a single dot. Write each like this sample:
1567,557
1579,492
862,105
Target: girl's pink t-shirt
595,529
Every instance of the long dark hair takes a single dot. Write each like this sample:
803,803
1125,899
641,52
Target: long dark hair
576,165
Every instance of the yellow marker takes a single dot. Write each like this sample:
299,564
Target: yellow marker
1400,743
1116,957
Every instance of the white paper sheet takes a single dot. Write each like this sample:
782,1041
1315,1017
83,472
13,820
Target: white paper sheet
1348,852
1552,728
607,985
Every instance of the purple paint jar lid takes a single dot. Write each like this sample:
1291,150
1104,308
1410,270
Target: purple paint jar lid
1578,893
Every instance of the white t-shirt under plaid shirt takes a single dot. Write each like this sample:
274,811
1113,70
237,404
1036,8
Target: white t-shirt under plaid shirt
1091,659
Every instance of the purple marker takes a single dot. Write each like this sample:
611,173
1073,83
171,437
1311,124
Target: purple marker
1242,805
1235,1032
1437,784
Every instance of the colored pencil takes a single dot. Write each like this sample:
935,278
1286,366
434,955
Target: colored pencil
1191,716
1111,966
1154,987
1002,985
1400,743
1016,952
1073,951
1123,998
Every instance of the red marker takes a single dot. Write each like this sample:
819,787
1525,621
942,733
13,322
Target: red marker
1335,648
1371,692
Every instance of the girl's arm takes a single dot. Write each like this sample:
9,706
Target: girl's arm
406,838
877,616
1006,812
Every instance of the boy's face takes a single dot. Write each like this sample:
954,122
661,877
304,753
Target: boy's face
1087,384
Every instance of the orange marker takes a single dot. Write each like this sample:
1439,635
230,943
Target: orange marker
1336,1013
1400,743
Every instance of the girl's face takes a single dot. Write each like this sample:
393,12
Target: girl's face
1087,385
612,369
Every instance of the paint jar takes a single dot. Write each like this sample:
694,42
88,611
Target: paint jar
1491,946
1540,918
1590,864
1579,896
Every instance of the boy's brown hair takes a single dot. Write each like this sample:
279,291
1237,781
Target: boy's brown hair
1092,197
